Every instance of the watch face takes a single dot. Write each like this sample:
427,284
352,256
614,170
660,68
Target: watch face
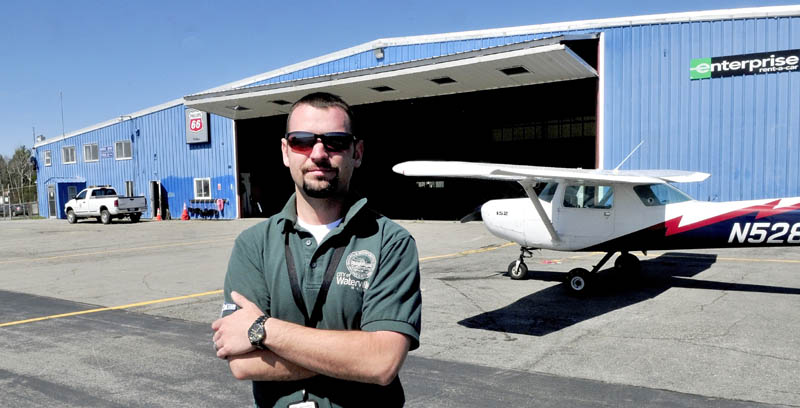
256,333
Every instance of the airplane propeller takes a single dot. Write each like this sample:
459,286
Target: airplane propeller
475,215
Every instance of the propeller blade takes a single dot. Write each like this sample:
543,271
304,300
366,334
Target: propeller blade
473,216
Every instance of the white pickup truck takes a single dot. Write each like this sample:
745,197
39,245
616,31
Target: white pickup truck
102,202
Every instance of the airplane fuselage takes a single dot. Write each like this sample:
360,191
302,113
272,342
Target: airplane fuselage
633,220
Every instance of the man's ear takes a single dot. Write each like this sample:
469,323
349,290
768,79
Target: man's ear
358,153
285,151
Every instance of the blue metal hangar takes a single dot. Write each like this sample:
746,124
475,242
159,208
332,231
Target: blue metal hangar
715,91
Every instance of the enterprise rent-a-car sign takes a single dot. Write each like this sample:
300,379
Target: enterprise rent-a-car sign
745,64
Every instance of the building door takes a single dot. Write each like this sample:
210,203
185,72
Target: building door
51,201
155,197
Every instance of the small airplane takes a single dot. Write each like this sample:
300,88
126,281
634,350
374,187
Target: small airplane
615,211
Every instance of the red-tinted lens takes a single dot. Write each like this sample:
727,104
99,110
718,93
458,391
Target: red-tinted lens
301,141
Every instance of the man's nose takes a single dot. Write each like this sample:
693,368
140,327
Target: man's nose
318,151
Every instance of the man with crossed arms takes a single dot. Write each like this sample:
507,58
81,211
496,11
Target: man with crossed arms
322,301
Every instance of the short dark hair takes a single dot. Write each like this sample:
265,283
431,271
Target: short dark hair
323,100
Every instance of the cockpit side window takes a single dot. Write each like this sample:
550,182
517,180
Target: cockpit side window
653,195
599,197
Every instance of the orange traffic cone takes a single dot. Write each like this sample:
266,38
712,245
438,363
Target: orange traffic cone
158,214
185,214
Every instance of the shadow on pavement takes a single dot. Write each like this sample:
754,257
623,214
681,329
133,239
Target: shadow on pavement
553,309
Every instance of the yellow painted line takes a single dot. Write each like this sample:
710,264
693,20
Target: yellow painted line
213,292
467,252
103,309
111,251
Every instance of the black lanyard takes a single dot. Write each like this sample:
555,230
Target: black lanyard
316,314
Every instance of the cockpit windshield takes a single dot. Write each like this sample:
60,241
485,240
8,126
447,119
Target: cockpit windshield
546,191
653,195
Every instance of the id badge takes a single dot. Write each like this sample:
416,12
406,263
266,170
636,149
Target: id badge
304,404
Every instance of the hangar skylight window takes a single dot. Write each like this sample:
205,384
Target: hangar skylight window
383,88
443,80
515,70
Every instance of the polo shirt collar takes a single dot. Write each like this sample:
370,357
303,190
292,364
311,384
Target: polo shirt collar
288,215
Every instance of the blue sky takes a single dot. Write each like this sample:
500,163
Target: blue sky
110,58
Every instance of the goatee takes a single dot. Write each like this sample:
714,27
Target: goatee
328,191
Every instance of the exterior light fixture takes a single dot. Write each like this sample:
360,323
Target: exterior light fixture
237,108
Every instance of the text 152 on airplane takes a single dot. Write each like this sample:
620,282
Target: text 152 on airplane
615,211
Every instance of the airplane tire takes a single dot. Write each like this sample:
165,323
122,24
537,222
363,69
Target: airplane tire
628,263
518,272
577,281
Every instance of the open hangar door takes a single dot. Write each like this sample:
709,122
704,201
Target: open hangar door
547,125
532,102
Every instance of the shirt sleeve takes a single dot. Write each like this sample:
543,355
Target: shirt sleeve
245,273
393,300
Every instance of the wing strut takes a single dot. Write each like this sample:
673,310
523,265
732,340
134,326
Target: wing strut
539,209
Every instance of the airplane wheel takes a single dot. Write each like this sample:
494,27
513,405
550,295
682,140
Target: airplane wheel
577,281
628,263
517,272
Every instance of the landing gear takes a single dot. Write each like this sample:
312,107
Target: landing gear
579,280
517,270
628,263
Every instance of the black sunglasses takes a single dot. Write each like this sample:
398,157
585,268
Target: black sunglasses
303,142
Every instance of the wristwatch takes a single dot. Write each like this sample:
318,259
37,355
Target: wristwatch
258,332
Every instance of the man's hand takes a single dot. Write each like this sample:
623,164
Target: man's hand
230,332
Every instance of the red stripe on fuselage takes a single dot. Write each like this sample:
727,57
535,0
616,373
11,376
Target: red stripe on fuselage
764,210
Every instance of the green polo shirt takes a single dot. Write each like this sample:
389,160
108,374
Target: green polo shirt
375,287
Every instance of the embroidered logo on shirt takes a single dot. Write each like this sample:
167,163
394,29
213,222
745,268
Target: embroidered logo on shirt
361,264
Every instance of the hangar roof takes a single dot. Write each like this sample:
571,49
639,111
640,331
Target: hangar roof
525,63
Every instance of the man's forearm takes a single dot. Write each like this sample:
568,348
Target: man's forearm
371,357
264,365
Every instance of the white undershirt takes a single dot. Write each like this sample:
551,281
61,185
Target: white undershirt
319,231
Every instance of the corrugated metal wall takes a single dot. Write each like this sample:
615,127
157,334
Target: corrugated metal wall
160,153
743,130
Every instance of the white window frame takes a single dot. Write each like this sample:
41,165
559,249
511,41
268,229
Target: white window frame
48,158
64,155
117,154
86,159
205,197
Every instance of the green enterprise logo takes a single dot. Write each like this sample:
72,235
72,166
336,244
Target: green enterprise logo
700,68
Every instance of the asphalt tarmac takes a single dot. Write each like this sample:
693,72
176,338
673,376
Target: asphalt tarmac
96,315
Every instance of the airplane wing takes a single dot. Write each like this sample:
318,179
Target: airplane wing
511,172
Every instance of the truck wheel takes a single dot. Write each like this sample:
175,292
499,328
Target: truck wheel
105,217
71,217
135,217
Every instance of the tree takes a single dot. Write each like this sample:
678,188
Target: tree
18,173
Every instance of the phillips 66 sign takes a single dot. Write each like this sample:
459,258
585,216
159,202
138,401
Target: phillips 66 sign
196,126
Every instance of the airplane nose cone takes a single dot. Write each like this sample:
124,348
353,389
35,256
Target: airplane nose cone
502,220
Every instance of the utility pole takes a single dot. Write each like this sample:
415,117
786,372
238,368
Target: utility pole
61,97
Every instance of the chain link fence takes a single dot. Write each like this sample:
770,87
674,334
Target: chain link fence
18,202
